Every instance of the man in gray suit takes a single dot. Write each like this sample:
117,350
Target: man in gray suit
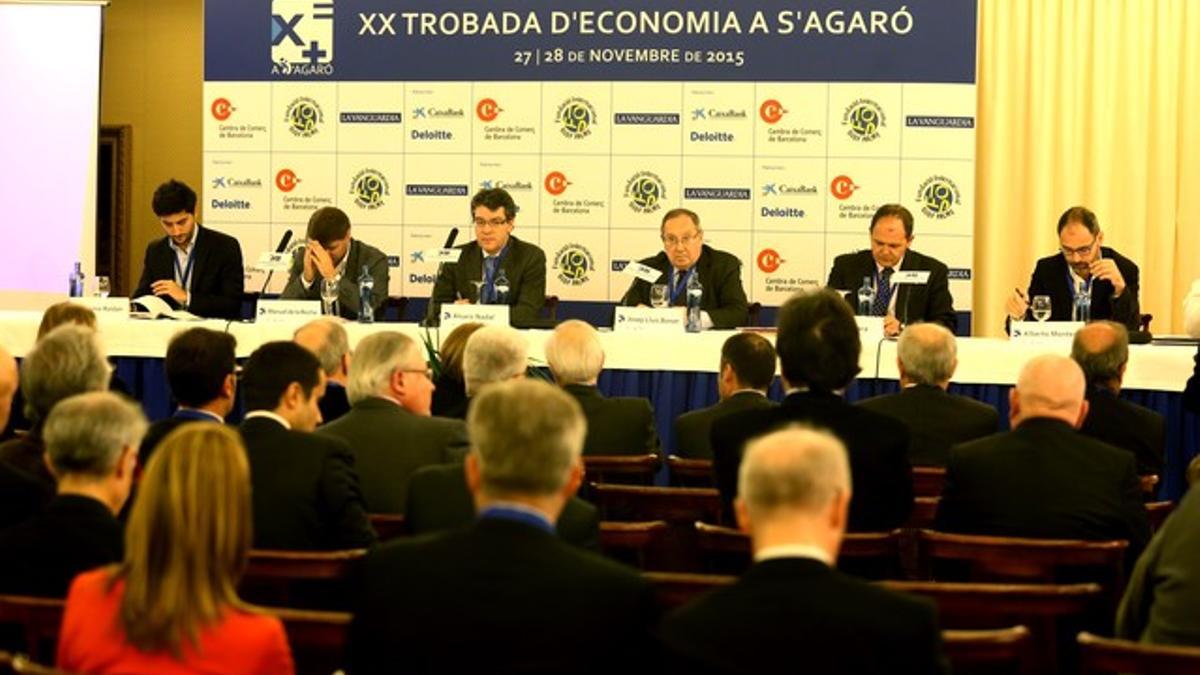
331,253
746,370
389,425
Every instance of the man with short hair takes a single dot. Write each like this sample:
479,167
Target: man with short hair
745,372
927,356
332,253
493,354
615,426
492,259
685,256
818,345
305,489
193,268
792,605
1043,479
389,426
327,339
21,495
900,304
91,442
536,603
1101,349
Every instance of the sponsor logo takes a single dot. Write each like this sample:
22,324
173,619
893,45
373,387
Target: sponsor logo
576,117
842,187
427,190
574,264
393,261
782,212
699,114
513,186
221,182
369,187
716,193
304,117
488,110
646,118
783,189
302,37
938,196
286,180
422,112
619,265
939,122
863,119
221,109
768,260
771,111
416,257
369,118
710,113
421,279
230,204
962,273
556,183
645,190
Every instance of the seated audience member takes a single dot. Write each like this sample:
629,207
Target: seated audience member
792,605
327,340
450,395
745,372
1101,349
506,595
493,354
21,495
201,370
1044,479
172,605
615,426
1160,601
389,426
1191,390
92,442
818,346
306,491
68,361
926,356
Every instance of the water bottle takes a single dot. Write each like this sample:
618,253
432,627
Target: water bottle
695,292
866,297
501,285
76,282
1083,303
366,289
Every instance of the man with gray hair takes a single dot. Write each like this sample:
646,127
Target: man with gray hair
616,426
389,425
536,603
926,356
493,354
92,446
68,360
1043,479
21,495
792,605
1101,349
327,339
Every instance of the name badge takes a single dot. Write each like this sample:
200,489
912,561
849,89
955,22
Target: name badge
916,277
870,330
1044,331
271,261
105,307
281,311
650,320
644,272
456,315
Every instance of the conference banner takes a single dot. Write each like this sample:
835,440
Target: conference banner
784,125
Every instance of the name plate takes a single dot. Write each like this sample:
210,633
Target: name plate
1044,331
105,307
279,311
650,320
456,315
270,261
911,277
870,330
644,272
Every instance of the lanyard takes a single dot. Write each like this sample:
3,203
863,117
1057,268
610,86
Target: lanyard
679,286
1087,285
489,275
186,273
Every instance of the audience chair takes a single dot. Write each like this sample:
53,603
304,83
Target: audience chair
388,525
632,543
690,472
1026,560
318,639
1003,650
928,481
872,555
309,579
679,507
673,589
622,469
1106,655
1149,485
924,513
37,619
1158,512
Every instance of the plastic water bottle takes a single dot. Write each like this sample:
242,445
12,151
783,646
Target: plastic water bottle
501,285
76,282
695,292
1083,303
866,297
366,290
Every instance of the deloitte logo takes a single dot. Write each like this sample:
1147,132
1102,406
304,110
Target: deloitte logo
645,190
304,117
369,187
938,196
574,264
576,117
863,119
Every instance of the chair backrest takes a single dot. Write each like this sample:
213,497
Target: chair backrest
1106,655
388,525
1149,484
318,639
928,481
636,502
985,605
673,589
1004,650
1020,559
635,469
631,542
690,472
924,513
870,554
1158,512
38,619
307,565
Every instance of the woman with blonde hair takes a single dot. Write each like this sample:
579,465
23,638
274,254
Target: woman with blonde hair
172,605
450,394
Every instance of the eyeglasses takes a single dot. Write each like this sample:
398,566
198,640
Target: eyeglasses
481,224
685,241
428,371
1078,252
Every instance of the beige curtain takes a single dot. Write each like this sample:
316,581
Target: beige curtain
1093,102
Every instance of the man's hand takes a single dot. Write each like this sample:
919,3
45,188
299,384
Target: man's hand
463,301
169,288
317,261
1106,268
1017,305
891,326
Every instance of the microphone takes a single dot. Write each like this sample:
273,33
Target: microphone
280,248
431,310
450,239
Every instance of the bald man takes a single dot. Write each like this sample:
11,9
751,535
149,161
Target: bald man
21,495
1044,479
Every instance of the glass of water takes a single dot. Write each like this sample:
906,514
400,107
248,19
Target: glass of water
103,287
329,294
1040,307
658,296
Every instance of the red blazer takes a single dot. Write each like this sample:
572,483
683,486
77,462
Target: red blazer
90,640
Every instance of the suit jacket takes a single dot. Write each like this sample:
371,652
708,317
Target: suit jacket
799,611
359,254
692,428
21,495
877,447
1191,391
1051,277
305,490
438,500
525,266
1044,480
43,554
390,443
449,397
1127,426
27,454
929,302
615,426
217,277
158,431
334,403
499,597
721,278
937,420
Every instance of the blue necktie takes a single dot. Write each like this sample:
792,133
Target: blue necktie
489,279
883,293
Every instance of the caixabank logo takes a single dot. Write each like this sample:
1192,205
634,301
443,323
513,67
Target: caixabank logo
304,117
645,192
575,118
863,119
302,38
369,188
938,196
575,264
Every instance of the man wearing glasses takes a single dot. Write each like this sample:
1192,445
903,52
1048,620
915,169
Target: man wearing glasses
496,268
684,254
1083,266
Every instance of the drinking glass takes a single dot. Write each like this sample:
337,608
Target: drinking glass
478,291
658,296
103,287
329,294
1041,307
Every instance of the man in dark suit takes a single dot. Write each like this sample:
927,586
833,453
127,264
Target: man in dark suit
684,256
1043,479
926,356
192,268
615,426
818,345
389,426
1085,265
305,488
21,495
496,260
332,253
1102,350
506,595
1191,390
92,441
327,339
746,369
792,606
899,304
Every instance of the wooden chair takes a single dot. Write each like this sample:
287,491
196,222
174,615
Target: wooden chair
678,507
928,481
690,472
1107,655
1026,560
388,526
38,619
1004,650
924,513
318,639
1149,485
1158,512
309,579
673,589
632,543
623,469
872,555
